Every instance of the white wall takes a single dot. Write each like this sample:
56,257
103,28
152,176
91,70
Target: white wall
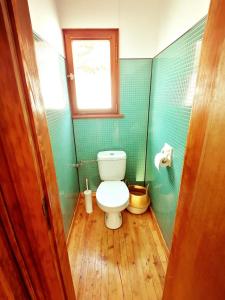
138,27
45,22
88,13
137,21
176,17
146,26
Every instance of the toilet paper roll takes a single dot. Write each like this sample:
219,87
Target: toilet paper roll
88,201
161,160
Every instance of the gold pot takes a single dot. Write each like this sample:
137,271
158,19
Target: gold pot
138,196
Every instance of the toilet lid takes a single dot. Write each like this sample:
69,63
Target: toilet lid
112,193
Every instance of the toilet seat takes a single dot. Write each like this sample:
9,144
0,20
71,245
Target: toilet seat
112,196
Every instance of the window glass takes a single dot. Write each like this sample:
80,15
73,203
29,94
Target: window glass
92,71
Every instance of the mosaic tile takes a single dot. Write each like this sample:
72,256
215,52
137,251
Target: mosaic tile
60,127
172,89
128,133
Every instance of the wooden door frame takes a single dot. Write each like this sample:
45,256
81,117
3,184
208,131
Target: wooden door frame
197,258
24,87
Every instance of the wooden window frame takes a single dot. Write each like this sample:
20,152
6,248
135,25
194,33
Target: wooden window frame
93,34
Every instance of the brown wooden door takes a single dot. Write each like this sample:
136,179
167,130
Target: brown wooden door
196,269
15,281
11,282
23,38
21,200
32,218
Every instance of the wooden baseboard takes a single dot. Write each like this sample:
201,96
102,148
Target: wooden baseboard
162,240
73,219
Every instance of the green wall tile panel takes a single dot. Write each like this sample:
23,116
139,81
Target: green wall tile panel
59,125
172,88
128,134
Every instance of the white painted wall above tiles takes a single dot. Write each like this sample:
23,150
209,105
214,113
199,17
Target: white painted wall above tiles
88,13
45,22
176,17
146,26
137,21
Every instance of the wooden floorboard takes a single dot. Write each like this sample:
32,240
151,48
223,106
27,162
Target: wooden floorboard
127,263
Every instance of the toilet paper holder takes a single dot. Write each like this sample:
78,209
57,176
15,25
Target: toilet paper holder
167,152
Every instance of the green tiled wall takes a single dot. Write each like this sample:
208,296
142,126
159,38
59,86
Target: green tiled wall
53,78
128,134
172,89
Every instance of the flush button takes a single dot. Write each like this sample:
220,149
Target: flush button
112,153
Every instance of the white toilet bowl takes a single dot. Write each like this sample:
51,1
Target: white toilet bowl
112,197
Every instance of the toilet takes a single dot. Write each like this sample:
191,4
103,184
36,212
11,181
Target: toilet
112,195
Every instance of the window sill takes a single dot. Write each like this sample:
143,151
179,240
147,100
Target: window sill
98,116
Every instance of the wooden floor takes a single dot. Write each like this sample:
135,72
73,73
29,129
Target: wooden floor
127,263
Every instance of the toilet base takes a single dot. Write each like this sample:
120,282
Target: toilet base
113,220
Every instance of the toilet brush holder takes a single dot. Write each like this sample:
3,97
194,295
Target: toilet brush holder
88,201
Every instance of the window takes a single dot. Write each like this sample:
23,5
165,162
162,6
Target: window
93,72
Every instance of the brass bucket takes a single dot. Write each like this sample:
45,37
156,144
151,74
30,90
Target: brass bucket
139,200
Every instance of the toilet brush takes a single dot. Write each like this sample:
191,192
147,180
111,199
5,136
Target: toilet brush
88,199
